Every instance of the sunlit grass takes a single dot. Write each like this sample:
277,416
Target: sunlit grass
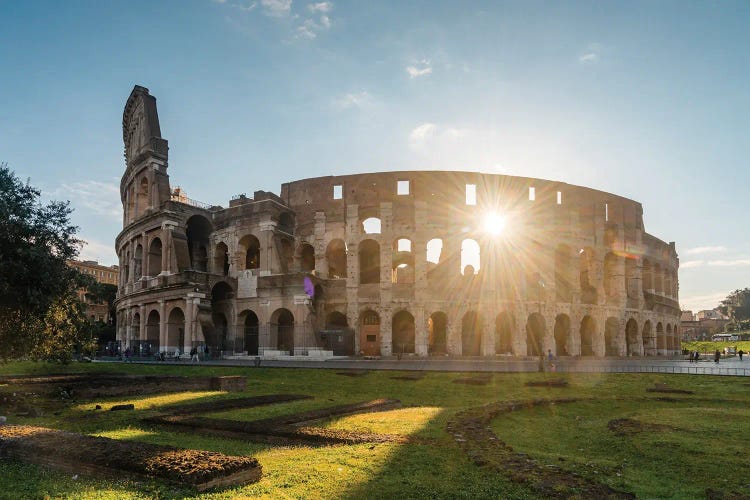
276,410
404,421
126,434
151,402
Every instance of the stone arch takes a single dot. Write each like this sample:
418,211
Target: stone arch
250,251
612,337
221,259
648,339
198,232
470,256
471,334
306,257
176,329
336,259
138,262
154,257
369,262
136,331
669,339
632,285
369,333
535,332
282,329
660,339
562,333
586,273
403,333
504,333
402,262
221,312
152,331
588,334
437,326
563,287
631,337
250,332
434,251
371,225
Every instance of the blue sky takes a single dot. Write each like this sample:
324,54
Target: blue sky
648,100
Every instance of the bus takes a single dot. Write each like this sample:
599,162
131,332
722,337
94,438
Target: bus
725,337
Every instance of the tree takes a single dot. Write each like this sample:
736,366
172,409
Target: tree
37,287
737,306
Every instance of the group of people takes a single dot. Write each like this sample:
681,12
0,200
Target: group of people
162,356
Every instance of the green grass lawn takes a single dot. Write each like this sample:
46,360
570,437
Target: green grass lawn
697,447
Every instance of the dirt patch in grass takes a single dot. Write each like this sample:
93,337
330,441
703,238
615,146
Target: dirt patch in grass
479,379
353,373
664,388
471,431
409,376
630,426
99,456
555,382
288,428
235,403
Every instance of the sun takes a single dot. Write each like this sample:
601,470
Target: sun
493,224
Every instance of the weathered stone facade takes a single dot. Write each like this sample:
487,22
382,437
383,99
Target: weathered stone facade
574,270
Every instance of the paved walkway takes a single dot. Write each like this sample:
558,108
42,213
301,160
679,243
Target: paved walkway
727,366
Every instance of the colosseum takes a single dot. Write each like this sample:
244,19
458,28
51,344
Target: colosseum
422,263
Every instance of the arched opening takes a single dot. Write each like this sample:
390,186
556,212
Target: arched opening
221,259
504,333
648,276
221,308
649,341
176,330
250,247
438,333
143,197
631,336
669,340
336,259
661,340
610,277
612,337
470,256
402,263
563,344
403,333
434,250
371,225
369,262
135,335
369,339
251,333
282,327
306,258
471,334
563,287
586,271
152,332
198,232
154,257
221,332
138,262
286,222
535,331
588,332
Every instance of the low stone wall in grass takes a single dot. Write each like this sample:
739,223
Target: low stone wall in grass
98,456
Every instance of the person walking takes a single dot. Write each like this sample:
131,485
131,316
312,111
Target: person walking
177,354
717,356
127,354
741,352
194,355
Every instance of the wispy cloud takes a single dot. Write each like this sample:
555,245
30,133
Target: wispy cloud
276,8
591,55
729,263
349,100
691,264
320,7
702,250
241,5
422,132
421,68
100,198
310,27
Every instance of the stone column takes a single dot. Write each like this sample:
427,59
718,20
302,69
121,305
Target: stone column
421,332
163,340
386,332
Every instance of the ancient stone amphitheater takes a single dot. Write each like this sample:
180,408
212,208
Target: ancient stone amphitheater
418,263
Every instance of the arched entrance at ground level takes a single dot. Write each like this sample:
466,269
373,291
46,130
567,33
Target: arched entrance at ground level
152,332
221,329
403,333
438,326
660,339
250,333
535,329
563,344
369,333
649,342
338,337
282,327
670,340
471,334
176,330
504,333
135,333
611,337
588,331
631,336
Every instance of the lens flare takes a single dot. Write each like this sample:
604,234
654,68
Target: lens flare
494,224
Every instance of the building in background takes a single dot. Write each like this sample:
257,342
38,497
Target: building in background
96,310
703,324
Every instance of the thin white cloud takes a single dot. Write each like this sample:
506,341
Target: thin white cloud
435,135
100,198
240,4
589,58
349,100
691,264
104,253
325,21
701,250
729,263
422,132
320,7
276,8
422,68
